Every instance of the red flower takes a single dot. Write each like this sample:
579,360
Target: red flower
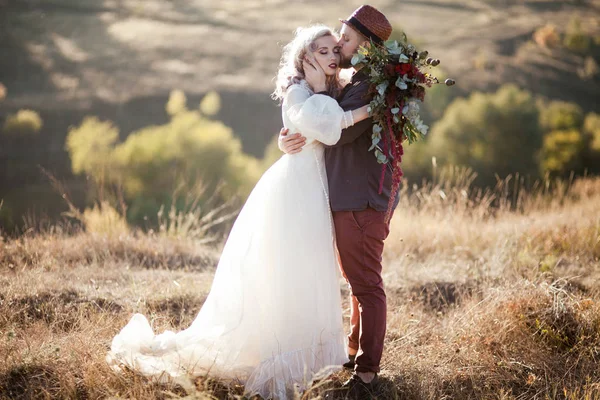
403,68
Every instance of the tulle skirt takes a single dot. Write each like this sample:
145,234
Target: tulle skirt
273,317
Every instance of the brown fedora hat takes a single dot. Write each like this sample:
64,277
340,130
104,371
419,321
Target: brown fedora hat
371,23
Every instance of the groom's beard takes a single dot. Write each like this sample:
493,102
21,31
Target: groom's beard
347,62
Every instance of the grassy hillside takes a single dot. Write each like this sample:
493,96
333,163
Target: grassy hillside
486,302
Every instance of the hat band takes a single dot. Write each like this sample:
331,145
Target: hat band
364,30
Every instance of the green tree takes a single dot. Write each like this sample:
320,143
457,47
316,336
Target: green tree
90,146
156,161
591,131
571,143
562,152
210,104
496,133
24,122
558,115
575,38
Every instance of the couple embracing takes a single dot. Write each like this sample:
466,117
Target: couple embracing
273,318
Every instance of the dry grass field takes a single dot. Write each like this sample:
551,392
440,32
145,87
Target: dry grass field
491,295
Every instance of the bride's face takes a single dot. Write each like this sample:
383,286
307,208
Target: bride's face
327,54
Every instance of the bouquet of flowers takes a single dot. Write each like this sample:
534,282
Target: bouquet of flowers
398,78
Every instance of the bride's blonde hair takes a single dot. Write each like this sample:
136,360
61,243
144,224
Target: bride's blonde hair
290,66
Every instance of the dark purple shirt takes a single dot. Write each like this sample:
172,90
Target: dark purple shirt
352,170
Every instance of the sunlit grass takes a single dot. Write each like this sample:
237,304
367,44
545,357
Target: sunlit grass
491,294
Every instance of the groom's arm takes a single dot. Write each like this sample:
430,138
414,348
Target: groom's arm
355,98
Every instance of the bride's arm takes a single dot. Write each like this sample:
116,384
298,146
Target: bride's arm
317,116
355,116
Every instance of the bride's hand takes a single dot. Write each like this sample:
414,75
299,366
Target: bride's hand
314,74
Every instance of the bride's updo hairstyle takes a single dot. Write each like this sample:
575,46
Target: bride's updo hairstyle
290,66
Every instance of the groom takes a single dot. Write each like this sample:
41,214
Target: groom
357,206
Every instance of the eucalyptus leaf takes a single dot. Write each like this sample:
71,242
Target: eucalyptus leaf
381,158
382,87
395,110
401,84
391,44
377,128
374,143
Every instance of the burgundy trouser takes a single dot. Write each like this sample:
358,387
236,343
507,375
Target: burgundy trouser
360,236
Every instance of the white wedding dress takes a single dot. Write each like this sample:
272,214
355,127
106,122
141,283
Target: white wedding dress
273,317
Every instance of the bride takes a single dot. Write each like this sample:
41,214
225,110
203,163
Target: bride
273,317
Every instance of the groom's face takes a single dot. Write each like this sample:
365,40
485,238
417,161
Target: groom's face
349,43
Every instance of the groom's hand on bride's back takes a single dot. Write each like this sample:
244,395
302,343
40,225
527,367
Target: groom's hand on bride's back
290,144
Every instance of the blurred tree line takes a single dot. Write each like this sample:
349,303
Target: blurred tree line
508,132
192,153
496,134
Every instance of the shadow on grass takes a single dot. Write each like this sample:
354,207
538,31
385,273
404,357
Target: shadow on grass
61,310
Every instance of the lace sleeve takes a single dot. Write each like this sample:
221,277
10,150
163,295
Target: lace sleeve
316,116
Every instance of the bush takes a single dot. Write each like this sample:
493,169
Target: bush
24,122
156,161
496,133
590,69
591,131
90,146
103,219
562,150
188,149
591,128
560,115
574,149
575,38
210,104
